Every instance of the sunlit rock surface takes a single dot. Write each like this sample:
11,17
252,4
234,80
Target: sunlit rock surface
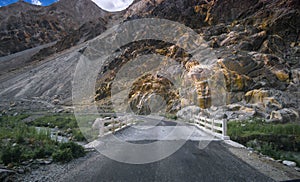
255,43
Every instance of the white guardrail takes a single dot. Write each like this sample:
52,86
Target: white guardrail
212,126
108,126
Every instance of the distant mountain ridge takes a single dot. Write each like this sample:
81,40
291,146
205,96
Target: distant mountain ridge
25,26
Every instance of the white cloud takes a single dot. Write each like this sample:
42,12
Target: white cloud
113,5
36,2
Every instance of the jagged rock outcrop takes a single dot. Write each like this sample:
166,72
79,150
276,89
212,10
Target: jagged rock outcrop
256,43
177,10
25,26
84,33
148,86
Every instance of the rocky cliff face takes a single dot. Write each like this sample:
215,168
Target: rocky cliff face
262,67
256,43
25,26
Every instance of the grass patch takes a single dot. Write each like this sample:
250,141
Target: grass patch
280,141
20,141
61,121
67,152
65,122
257,126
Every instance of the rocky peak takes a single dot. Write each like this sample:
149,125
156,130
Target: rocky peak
80,10
25,26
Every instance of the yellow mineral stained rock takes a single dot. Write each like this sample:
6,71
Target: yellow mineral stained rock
263,98
282,75
256,96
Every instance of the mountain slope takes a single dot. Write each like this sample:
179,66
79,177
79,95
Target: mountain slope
25,26
256,43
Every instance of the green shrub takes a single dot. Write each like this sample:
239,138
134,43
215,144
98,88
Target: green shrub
64,155
270,150
40,153
64,121
77,150
171,116
11,154
291,157
31,143
20,139
275,140
78,136
256,126
42,135
27,154
67,152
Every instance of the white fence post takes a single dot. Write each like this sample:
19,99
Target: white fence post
224,126
113,125
101,129
213,125
224,132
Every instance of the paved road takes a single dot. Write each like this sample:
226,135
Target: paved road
189,163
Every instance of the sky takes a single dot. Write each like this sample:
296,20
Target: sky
109,5
36,2
113,5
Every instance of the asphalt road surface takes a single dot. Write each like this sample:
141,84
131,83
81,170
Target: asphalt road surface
190,163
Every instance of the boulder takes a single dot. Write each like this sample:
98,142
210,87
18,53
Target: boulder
235,97
274,44
232,38
215,112
257,39
216,30
56,101
188,112
97,124
289,163
245,46
234,107
4,173
60,110
295,78
272,99
44,161
248,111
242,64
284,115
236,82
239,111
